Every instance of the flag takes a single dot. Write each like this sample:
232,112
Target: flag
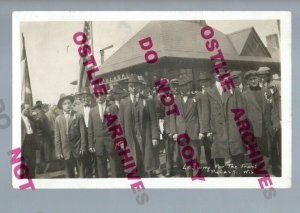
83,80
26,94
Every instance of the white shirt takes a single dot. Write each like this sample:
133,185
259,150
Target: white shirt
102,108
241,87
184,99
219,87
86,111
136,97
29,130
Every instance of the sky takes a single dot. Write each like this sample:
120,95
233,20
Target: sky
53,60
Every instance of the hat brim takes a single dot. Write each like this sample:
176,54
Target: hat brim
85,93
37,106
64,98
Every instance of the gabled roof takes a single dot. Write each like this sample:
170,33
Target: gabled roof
248,43
239,39
182,39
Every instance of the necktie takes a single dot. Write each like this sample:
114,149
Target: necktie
67,120
134,100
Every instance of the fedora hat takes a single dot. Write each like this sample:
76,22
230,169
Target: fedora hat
63,97
38,104
85,90
134,79
116,89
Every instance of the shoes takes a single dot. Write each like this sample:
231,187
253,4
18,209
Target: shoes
168,174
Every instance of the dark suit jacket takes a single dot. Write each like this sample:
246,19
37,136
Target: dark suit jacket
75,140
149,130
187,121
201,103
98,133
43,129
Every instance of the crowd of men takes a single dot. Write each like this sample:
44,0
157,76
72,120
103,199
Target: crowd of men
74,133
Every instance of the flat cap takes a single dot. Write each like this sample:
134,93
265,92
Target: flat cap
250,73
174,81
235,74
263,71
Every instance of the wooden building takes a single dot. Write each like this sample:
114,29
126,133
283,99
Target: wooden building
181,51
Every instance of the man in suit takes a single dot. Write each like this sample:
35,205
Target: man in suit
70,138
89,159
256,108
204,82
172,147
43,137
100,141
187,120
236,76
218,121
29,145
273,96
117,94
139,122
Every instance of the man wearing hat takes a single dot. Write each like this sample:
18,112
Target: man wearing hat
218,122
77,106
171,145
204,82
100,141
140,125
117,93
43,137
237,80
257,111
70,136
272,94
264,75
84,107
187,120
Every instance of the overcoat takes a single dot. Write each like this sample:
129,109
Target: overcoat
259,117
142,148
43,136
219,119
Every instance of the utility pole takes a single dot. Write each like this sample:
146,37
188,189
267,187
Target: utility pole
102,52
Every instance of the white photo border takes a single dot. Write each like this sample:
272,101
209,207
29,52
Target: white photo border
114,183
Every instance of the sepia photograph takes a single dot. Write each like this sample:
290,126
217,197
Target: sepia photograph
177,99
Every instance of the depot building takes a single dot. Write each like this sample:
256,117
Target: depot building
181,51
